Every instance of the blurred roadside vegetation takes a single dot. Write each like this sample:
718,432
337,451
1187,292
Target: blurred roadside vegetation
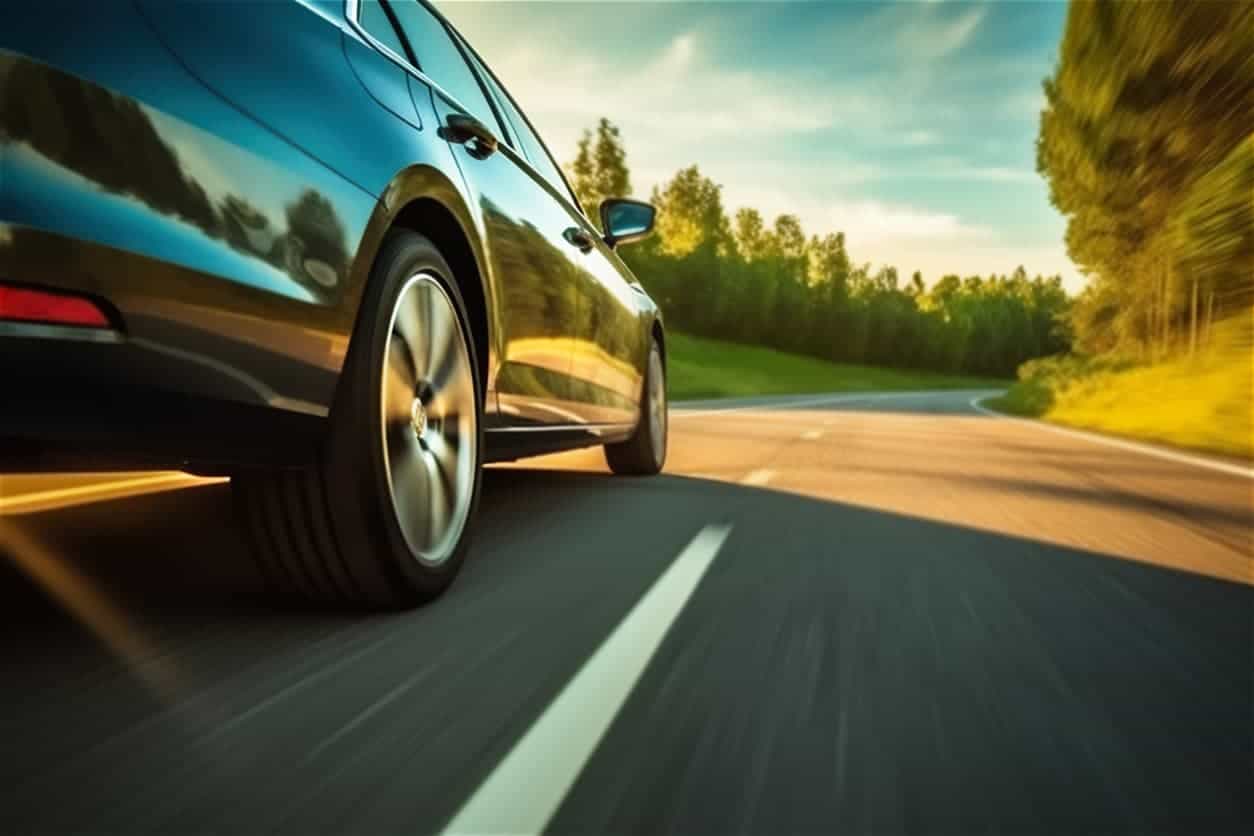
1200,400
705,368
1147,144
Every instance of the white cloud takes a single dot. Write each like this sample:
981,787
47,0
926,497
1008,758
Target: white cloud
872,222
751,125
909,237
928,36
920,138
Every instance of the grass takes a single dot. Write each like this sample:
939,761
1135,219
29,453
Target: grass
1203,402
701,368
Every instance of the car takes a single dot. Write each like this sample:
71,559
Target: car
317,247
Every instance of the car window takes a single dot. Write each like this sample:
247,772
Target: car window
499,102
374,19
440,58
532,147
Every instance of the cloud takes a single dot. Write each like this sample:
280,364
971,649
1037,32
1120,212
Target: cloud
917,139
843,122
678,97
865,222
930,34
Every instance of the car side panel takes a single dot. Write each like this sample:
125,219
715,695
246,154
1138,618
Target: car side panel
225,248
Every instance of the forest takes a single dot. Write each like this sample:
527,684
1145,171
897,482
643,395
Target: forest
1147,144
767,282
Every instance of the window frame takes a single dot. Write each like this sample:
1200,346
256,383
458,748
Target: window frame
478,64
410,64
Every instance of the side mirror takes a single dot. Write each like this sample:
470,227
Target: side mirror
624,221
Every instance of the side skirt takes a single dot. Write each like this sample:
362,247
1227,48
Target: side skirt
505,444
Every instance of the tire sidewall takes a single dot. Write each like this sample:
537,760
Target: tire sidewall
659,457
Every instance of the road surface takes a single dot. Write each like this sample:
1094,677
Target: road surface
870,614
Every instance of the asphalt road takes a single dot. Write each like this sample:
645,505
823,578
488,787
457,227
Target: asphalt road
859,615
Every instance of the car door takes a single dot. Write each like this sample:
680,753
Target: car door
605,331
532,263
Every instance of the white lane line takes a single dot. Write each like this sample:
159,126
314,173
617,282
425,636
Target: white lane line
679,412
812,435
525,789
83,494
758,477
1097,438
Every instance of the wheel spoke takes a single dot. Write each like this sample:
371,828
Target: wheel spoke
439,500
399,382
410,485
411,322
451,393
443,448
440,332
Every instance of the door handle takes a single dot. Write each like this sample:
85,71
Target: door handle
577,237
462,128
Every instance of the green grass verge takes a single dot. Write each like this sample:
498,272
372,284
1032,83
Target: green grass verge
701,368
1203,402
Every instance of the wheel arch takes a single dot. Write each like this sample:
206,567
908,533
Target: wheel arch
659,334
423,200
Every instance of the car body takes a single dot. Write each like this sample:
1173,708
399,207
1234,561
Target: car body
199,193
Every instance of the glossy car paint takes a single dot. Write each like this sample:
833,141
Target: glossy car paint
221,176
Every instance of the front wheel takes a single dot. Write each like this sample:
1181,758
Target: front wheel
381,518
644,453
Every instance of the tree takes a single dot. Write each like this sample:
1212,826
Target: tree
1145,101
599,170
745,280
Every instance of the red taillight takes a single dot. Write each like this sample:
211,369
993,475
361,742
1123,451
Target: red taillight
26,305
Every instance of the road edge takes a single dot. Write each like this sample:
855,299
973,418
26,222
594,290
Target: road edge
1197,460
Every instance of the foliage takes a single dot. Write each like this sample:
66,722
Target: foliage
599,171
703,368
1141,143
1203,401
746,280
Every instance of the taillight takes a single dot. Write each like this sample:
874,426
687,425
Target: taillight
26,305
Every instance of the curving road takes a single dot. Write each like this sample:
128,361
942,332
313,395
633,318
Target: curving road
861,614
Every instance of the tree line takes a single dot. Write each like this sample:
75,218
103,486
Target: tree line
743,279
1147,143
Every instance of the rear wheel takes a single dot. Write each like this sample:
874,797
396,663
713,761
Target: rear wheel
381,517
644,453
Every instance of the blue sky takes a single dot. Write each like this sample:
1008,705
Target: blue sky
909,126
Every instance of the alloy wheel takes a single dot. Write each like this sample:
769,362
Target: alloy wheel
428,419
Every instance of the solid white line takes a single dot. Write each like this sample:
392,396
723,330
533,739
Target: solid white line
83,494
758,477
678,411
812,435
1097,438
525,789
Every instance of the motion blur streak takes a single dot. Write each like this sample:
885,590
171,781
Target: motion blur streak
928,620
78,596
13,502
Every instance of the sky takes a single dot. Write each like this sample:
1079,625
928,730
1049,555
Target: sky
909,126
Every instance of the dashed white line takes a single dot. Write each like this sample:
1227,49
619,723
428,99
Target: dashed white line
758,478
1147,449
528,785
82,494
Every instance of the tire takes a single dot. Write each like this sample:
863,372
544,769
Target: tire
644,454
381,518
